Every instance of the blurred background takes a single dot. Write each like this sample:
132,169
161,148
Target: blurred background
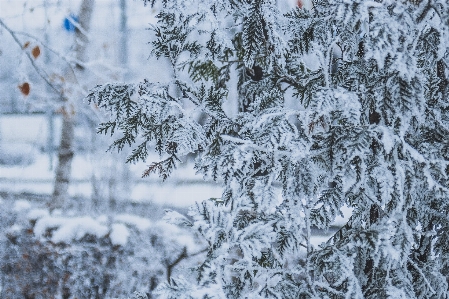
107,239
118,50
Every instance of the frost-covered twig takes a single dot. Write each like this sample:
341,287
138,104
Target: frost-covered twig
62,57
422,275
43,74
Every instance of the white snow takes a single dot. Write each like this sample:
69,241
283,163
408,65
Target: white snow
387,139
311,61
176,218
119,234
77,228
180,195
142,224
35,214
14,229
21,205
177,236
414,153
347,213
31,129
68,229
103,219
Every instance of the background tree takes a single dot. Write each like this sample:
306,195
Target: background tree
55,69
316,130
66,150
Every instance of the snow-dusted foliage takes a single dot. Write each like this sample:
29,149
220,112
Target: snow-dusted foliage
45,255
345,103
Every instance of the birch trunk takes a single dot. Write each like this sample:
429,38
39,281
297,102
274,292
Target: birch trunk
123,50
66,146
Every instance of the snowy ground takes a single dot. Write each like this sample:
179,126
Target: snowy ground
22,138
182,190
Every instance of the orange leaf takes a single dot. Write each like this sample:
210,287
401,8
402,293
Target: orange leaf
25,45
36,52
25,88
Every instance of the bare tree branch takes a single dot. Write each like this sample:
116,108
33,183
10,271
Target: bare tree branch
42,73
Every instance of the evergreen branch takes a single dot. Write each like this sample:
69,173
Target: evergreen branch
422,275
164,168
250,144
321,286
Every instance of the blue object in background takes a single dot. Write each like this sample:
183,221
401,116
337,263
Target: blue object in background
68,25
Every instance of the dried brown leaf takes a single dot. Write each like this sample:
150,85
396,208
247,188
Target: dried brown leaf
25,88
36,52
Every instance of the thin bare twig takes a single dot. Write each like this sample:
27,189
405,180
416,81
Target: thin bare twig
62,57
182,256
43,74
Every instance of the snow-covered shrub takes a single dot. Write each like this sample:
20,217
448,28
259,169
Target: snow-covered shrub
61,256
29,268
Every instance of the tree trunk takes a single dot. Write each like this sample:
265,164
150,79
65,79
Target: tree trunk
66,146
65,157
81,39
123,50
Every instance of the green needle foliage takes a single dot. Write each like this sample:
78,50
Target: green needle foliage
345,103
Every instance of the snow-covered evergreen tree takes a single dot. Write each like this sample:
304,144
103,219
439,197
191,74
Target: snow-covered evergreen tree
343,103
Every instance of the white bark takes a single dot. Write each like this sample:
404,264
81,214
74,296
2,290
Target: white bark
123,50
66,147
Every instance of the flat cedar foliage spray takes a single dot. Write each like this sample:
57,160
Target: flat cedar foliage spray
344,103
